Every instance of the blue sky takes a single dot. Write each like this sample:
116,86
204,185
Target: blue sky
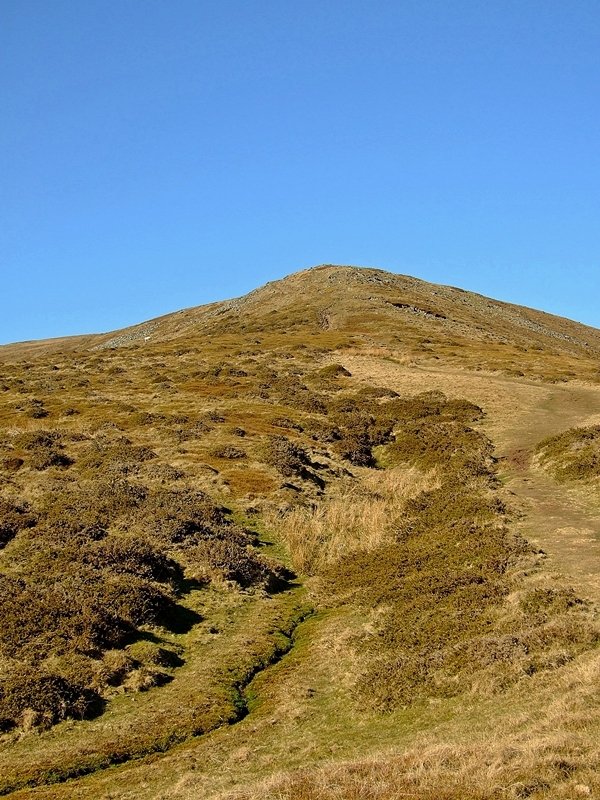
158,154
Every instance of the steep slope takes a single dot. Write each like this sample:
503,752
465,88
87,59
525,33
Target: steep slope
198,512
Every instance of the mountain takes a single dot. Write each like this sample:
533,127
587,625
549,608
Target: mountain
336,538
357,301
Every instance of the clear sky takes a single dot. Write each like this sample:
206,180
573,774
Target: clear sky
158,154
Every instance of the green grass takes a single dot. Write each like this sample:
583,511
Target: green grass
237,638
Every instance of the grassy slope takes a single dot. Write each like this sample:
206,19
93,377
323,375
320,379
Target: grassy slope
304,711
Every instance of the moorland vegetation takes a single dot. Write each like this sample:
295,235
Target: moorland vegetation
572,455
178,511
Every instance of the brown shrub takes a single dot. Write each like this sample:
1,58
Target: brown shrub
175,516
573,454
360,426
134,600
13,518
50,698
165,472
78,669
120,456
190,431
286,456
291,392
232,561
333,371
548,601
36,411
445,444
32,440
433,404
285,422
323,431
12,464
376,392
95,504
125,555
227,451
43,457
236,431
39,621
145,418
355,448
45,449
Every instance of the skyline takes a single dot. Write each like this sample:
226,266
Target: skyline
166,155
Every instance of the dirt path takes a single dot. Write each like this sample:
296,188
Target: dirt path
563,521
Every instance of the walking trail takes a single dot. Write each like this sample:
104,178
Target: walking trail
562,520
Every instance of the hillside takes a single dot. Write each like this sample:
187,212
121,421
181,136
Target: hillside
337,538
390,309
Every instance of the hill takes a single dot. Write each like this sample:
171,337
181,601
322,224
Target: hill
391,309
336,538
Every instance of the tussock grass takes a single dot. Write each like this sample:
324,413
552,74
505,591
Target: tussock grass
440,772
362,516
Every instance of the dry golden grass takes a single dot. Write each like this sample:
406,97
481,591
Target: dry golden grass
249,482
541,746
438,772
360,517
